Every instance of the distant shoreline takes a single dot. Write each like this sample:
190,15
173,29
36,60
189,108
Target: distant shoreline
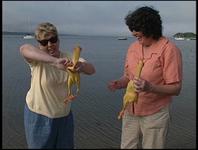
185,36
73,35
30,33
24,33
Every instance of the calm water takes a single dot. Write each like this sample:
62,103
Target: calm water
95,111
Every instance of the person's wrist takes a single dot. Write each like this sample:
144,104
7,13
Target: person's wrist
82,67
148,86
53,61
151,87
119,85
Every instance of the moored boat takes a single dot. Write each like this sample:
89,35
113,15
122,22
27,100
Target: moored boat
28,36
179,38
122,38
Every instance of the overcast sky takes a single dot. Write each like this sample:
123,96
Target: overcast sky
94,17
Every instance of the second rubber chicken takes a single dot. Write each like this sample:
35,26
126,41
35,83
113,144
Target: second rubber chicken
130,95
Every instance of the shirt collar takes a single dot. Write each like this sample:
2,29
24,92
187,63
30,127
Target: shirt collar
155,48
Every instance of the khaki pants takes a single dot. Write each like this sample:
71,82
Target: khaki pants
151,130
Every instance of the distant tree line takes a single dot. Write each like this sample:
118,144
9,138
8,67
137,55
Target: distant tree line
185,35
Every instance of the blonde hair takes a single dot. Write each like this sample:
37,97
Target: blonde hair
45,29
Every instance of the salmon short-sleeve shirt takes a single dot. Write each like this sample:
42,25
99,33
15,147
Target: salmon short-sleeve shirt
162,65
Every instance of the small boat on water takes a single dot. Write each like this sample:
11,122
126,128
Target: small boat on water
179,38
182,38
192,38
28,36
122,38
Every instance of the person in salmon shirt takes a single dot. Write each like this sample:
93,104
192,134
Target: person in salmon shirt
148,119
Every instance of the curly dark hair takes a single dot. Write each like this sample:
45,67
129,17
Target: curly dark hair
145,20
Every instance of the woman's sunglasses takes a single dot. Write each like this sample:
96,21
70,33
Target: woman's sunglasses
53,39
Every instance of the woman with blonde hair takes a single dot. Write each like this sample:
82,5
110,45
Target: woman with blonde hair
48,122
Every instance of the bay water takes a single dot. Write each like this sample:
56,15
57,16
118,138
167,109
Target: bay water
95,110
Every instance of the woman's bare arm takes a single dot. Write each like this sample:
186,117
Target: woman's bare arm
32,53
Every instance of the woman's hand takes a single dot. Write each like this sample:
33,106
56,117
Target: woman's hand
142,85
114,85
63,63
79,66
84,67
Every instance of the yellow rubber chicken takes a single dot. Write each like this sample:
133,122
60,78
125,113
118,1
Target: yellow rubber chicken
130,95
73,76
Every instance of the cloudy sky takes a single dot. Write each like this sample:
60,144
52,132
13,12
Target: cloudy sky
94,17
